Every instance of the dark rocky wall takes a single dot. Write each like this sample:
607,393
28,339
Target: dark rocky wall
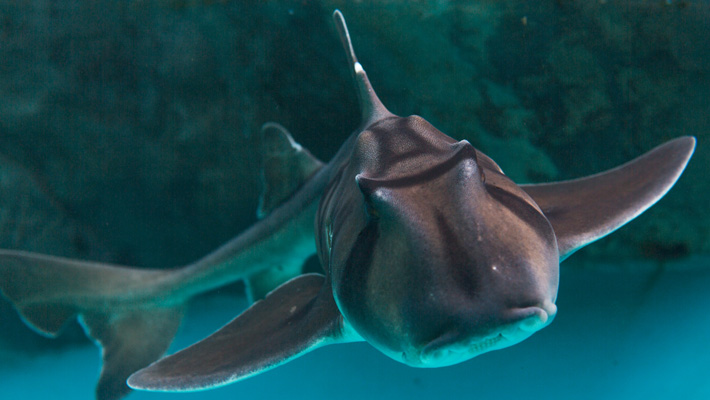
127,127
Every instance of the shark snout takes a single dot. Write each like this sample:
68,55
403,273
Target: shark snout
455,347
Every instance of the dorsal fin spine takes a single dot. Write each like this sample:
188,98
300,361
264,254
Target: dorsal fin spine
370,105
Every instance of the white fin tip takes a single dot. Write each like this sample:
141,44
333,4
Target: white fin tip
358,68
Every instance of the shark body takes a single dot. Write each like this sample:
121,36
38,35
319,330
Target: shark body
429,251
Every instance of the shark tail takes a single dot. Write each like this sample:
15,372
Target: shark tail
133,314
128,312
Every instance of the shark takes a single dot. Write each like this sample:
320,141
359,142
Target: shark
429,253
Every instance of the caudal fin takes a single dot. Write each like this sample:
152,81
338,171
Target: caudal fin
120,308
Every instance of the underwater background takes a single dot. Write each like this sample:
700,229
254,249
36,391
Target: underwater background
127,131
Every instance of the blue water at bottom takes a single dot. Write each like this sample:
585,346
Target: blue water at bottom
619,334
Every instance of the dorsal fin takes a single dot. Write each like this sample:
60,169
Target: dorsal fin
286,167
370,105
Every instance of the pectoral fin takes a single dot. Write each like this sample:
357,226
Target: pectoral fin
586,209
297,317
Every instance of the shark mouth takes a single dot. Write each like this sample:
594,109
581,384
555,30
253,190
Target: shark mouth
451,349
437,354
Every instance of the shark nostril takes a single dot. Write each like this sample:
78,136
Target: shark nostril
534,322
531,319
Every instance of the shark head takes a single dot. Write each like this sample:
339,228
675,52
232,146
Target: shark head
446,258
437,256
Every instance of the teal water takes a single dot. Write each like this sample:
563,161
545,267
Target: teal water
618,335
127,135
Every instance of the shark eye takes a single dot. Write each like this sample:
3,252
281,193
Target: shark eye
329,236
